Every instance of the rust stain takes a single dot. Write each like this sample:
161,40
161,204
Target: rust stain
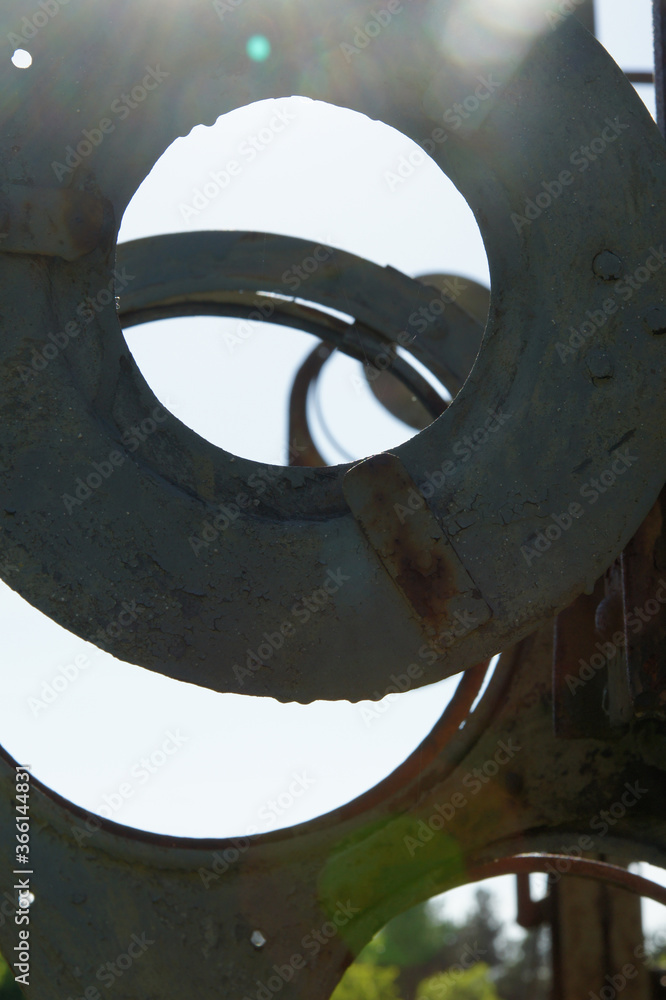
412,546
65,223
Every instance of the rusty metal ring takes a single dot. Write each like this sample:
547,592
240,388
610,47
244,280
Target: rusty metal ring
167,293
460,557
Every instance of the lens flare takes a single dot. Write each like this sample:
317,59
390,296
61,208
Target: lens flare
495,31
258,48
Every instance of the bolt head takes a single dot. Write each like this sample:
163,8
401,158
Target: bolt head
599,364
656,319
607,265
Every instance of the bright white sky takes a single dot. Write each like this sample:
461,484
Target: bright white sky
322,179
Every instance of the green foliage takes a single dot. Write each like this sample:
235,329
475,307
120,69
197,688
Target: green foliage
470,984
655,946
363,981
430,953
412,938
525,972
8,988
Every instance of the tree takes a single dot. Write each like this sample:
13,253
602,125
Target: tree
483,928
433,958
363,981
421,944
412,938
526,973
470,984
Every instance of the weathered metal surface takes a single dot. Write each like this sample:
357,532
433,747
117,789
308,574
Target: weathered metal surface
227,275
503,785
408,539
591,682
264,272
490,534
299,426
56,222
198,617
579,688
462,343
597,937
459,346
644,594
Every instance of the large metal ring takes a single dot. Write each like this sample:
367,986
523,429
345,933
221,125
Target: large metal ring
460,533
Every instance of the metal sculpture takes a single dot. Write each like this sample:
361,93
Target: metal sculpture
503,543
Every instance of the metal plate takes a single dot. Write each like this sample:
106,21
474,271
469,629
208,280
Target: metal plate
557,425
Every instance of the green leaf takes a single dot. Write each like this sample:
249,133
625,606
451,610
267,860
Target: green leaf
362,981
469,984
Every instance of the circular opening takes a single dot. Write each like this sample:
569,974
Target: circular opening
244,371
153,753
304,169
465,943
478,941
22,59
